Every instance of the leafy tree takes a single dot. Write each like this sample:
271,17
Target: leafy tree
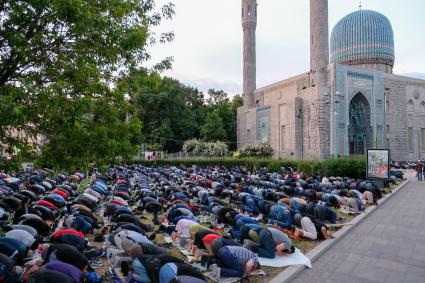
171,112
220,102
102,134
237,102
213,129
58,61
216,97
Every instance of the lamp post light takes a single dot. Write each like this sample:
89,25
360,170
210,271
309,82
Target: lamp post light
336,124
299,115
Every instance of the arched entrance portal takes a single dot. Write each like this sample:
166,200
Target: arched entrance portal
359,131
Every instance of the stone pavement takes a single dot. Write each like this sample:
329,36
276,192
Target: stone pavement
388,246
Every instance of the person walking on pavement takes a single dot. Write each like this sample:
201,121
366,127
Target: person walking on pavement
418,169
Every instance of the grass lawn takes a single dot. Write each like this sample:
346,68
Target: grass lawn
304,245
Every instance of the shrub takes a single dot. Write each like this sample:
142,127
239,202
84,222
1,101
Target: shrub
217,148
274,166
342,167
213,148
308,167
345,167
194,146
259,149
9,165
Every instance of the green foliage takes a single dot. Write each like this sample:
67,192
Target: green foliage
59,61
274,166
9,165
308,167
212,148
217,148
154,147
170,111
194,146
347,167
102,135
173,112
226,108
213,128
259,149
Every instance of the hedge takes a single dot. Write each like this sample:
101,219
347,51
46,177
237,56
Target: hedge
345,167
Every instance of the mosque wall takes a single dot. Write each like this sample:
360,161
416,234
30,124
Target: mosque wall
287,115
246,126
355,104
294,123
406,117
289,109
357,111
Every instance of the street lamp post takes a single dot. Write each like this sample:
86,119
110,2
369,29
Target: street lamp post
300,116
336,113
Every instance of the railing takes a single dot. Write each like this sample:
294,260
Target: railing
181,155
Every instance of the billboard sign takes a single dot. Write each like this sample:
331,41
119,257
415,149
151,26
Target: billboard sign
378,164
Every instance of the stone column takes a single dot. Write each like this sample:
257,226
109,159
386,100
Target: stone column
319,36
249,25
319,61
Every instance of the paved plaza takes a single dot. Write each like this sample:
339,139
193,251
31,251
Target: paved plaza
388,246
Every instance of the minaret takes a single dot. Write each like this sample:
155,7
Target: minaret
319,40
249,24
319,61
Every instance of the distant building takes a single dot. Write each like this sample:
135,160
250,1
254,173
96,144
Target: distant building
34,142
349,100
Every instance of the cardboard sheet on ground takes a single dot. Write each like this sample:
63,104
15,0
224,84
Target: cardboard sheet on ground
338,225
280,261
348,211
231,279
168,239
222,280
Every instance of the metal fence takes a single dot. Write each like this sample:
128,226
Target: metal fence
181,155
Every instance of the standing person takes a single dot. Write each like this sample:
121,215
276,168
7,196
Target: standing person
418,169
423,170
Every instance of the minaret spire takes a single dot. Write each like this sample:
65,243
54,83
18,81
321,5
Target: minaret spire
319,35
249,25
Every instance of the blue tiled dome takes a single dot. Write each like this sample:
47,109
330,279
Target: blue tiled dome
362,37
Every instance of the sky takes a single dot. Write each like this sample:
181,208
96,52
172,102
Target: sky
207,48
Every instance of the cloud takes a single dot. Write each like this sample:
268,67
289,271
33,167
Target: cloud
415,75
204,85
207,49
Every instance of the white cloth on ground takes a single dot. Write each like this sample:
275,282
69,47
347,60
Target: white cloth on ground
280,261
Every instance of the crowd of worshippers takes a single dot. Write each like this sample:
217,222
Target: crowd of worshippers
47,217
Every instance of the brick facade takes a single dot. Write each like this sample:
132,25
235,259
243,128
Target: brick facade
295,127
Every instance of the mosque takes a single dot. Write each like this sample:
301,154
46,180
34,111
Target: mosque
348,102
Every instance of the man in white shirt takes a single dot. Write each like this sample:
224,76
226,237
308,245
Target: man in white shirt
182,229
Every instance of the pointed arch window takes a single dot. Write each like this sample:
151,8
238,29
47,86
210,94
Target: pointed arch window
410,106
422,108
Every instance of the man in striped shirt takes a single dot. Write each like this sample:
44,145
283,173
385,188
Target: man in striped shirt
235,261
